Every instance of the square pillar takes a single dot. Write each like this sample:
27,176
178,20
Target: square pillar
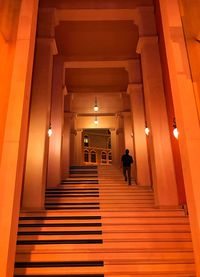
128,139
36,163
15,131
56,121
138,119
78,148
186,111
37,149
66,150
114,146
163,173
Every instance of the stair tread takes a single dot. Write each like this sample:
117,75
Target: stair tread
95,216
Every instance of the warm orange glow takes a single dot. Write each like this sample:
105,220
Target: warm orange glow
176,133
50,132
96,120
96,108
147,131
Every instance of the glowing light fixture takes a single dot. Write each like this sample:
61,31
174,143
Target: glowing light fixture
96,108
50,132
175,130
146,130
96,120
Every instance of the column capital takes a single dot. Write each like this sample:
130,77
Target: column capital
144,41
134,88
73,132
145,20
120,131
68,115
79,130
126,114
48,41
65,92
118,114
46,22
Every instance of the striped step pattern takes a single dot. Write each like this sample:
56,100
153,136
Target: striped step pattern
79,192
105,228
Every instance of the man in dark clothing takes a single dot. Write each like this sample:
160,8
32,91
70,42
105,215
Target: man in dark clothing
127,160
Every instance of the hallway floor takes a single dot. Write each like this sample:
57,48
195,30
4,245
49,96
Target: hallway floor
96,225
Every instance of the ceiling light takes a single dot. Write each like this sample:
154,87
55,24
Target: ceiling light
96,108
96,120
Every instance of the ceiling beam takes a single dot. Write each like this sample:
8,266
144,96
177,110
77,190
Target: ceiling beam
143,17
132,66
100,64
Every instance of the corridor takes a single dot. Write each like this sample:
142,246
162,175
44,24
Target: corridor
81,81
96,225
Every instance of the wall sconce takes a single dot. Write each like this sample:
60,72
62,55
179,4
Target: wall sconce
96,120
175,130
146,130
50,132
96,108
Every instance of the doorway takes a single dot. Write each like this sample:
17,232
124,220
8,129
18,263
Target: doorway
96,146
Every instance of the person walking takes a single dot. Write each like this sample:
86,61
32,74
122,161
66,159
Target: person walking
127,160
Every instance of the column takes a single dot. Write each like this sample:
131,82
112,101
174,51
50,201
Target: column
186,111
128,132
140,140
37,149
128,139
163,173
72,140
15,135
66,150
120,145
78,155
57,115
113,146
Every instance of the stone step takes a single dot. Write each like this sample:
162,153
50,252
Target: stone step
111,269
107,222
84,245
106,213
145,236
115,220
175,228
137,213
108,256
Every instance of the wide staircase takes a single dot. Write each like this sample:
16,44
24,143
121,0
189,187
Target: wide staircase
96,225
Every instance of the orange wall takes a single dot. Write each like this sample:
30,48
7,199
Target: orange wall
170,110
190,15
9,13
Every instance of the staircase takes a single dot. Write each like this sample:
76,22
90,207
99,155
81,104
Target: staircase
96,225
